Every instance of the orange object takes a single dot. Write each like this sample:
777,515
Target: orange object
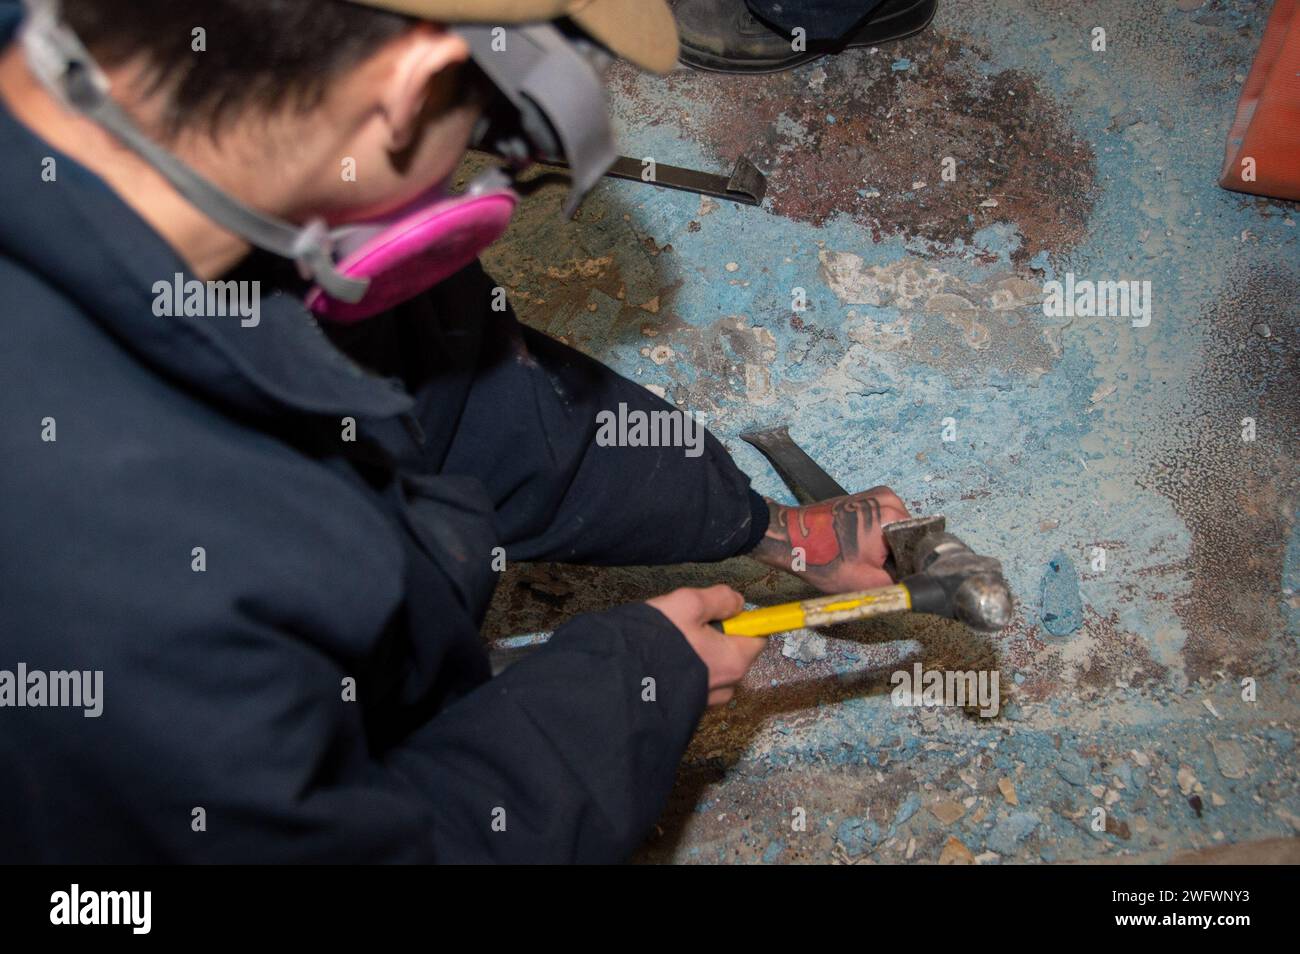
1263,155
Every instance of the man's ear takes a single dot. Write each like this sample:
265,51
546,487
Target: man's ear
425,61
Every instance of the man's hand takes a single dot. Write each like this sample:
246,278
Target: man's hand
728,657
837,544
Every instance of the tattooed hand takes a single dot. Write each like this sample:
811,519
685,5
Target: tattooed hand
836,545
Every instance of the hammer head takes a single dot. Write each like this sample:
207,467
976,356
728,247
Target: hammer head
905,538
946,577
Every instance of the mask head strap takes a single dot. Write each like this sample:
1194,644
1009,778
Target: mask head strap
63,64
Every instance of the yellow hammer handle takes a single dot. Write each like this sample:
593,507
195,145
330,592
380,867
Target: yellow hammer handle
822,611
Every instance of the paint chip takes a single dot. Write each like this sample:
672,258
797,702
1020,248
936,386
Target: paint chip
1101,392
955,853
947,811
1010,833
1230,758
804,646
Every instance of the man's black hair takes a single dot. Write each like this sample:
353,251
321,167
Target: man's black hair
267,54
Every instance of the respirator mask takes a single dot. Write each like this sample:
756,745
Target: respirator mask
544,101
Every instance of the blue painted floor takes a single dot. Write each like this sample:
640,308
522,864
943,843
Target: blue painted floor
1135,473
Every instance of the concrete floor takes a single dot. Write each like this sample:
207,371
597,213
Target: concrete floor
924,303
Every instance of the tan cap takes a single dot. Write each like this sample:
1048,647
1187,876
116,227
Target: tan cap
642,31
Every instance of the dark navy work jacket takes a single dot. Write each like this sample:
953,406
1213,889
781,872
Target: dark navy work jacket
182,513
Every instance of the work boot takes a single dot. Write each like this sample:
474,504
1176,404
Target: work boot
723,36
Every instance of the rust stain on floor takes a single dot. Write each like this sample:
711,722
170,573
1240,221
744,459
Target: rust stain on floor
855,136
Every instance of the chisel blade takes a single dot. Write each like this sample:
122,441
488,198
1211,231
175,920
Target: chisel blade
803,475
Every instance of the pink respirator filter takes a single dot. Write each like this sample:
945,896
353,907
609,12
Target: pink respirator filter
415,251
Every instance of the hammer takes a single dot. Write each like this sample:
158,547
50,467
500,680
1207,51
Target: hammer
936,572
940,575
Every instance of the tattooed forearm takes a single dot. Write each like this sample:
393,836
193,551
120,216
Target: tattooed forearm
820,540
